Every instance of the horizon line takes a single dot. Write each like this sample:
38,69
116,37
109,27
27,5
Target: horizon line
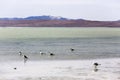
56,16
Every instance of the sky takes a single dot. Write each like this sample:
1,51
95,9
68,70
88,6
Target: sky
102,10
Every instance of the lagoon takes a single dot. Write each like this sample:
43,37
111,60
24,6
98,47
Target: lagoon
57,32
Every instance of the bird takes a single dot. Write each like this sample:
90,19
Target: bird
25,58
95,66
72,49
51,54
20,53
15,68
41,53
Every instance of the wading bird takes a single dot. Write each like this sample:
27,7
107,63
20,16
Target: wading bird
95,66
25,58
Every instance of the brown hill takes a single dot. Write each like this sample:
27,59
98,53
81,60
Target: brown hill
58,23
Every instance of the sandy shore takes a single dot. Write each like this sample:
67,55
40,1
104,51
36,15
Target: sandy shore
61,70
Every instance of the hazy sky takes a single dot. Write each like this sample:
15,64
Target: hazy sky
86,9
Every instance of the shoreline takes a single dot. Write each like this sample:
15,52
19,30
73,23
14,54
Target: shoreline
62,69
69,57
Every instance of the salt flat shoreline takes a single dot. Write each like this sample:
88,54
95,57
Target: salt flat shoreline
61,70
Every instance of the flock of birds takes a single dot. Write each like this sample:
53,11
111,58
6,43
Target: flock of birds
50,53
25,57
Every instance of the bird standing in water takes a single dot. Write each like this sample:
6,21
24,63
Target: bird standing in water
95,66
25,58
72,49
41,53
20,53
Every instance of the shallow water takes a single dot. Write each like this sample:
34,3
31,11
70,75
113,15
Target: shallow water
88,43
57,32
61,70
85,48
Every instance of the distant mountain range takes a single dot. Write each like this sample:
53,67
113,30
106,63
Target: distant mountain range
52,21
36,18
